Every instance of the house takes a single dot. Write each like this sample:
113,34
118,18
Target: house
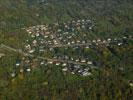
21,70
29,31
66,26
46,36
27,61
60,38
73,21
72,73
85,73
32,51
124,37
83,61
41,50
55,42
65,69
88,20
87,69
68,43
51,49
104,41
49,42
89,62
28,69
90,28
80,71
51,36
57,64
66,57
119,44
56,24
37,34
13,74
83,26
78,41
131,84
77,60
33,36
64,64
69,37
94,41
42,41
130,36
64,40
77,66
1,55
83,20
59,30
50,62
72,42
83,42
47,32
109,39
42,63
97,44
87,47
72,58
34,42
18,64
78,21
99,40
55,57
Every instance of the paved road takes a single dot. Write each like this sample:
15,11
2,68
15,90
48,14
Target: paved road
39,57
84,44
53,46
70,45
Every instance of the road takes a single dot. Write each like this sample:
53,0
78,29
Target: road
70,45
53,46
39,57
85,44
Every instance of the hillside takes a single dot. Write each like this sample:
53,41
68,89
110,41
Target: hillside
111,16
20,13
66,49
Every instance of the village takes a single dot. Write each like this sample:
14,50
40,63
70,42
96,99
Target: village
56,46
66,49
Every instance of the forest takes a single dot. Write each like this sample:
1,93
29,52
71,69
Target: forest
111,80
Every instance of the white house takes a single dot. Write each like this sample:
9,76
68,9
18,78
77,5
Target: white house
65,69
28,69
64,64
89,62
